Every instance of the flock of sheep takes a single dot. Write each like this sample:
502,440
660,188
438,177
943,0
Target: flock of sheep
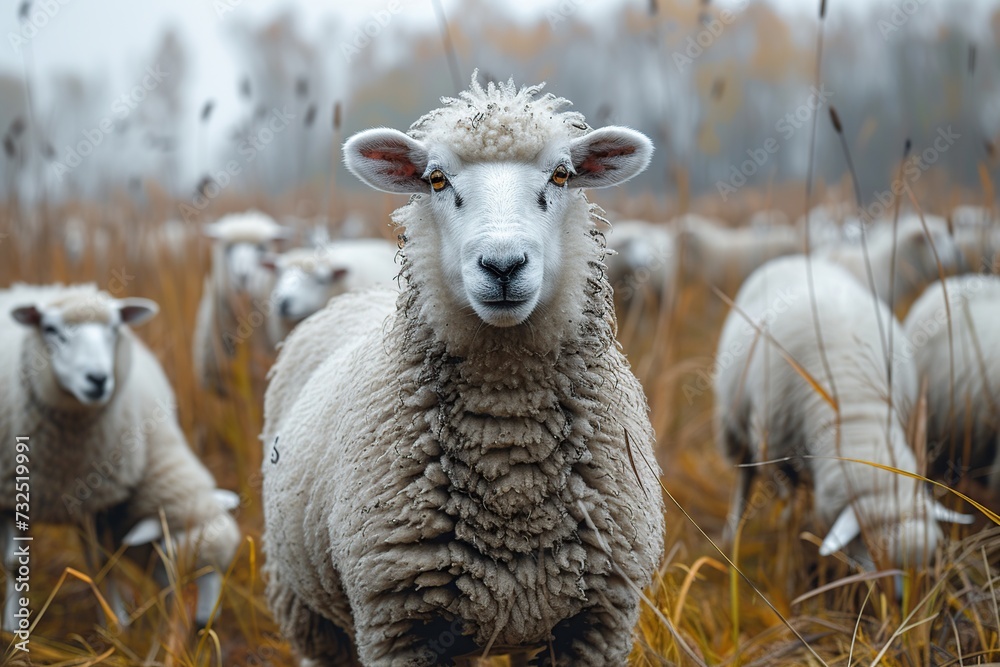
457,457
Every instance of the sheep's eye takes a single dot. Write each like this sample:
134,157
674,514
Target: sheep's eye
437,180
50,330
560,175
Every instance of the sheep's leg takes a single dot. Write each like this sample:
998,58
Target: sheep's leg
593,638
114,592
10,607
209,592
744,479
319,641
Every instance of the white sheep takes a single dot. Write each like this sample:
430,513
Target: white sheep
916,261
307,278
101,430
448,472
714,254
766,409
962,367
977,234
237,288
644,256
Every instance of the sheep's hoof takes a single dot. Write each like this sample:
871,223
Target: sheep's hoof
209,592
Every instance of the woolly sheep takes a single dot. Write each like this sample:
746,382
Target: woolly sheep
916,265
307,278
765,409
103,433
962,368
724,256
236,286
451,473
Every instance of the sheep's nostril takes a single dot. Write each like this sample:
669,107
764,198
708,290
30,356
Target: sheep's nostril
285,307
99,380
503,268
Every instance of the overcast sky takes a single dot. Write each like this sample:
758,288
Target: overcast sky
110,40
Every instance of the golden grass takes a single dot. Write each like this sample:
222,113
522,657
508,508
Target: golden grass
705,612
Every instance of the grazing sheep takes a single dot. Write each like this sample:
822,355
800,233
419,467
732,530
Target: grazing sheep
765,409
916,265
307,278
722,256
963,373
451,472
644,255
103,434
237,285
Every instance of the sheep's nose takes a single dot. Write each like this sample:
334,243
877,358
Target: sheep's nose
98,380
504,268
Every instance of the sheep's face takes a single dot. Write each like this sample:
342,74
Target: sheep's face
500,224
81,342
918,251
242,260
241,254
300,291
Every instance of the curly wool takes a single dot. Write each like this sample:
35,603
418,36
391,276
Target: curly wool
457,470
500,122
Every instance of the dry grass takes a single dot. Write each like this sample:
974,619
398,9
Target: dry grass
947,616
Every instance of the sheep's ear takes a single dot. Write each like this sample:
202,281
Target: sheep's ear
269,261
844,529
146,531
29,316
135,311
609,156
942,513
387,160
283,233
226,499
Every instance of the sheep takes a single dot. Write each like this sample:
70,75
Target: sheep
977,234
307,278
915,260
236,286
448,471
721,256
962,368
644,254
766,409
102,432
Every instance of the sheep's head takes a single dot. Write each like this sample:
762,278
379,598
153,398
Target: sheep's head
80,338
918,251
305,282
903,535
502,170
243,240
